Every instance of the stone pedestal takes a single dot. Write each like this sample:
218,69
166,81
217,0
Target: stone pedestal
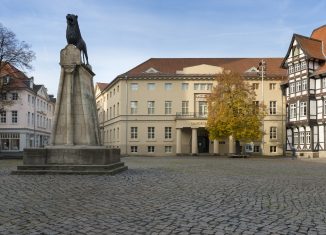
75,139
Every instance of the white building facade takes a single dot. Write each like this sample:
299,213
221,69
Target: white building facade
27,122
159,108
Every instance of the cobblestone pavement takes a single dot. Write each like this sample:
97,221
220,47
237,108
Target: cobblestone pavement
170,196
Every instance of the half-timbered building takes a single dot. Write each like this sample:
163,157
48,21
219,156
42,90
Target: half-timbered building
305,92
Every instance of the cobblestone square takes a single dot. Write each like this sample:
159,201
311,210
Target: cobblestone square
173,195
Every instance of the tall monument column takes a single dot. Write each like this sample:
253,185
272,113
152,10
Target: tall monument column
75,146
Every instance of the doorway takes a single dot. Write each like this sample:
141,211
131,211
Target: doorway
203,141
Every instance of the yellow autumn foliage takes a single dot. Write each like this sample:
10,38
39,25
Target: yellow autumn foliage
232,110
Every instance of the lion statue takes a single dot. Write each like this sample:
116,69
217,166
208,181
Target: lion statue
74,36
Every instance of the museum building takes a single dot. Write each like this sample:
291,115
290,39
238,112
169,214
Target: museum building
159,108
305,91
27,121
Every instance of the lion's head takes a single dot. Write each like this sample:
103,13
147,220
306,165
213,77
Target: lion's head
72,19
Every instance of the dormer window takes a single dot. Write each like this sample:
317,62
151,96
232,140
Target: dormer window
6,80
252,70
151,70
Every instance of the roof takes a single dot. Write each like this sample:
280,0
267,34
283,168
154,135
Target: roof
320,34
311,46
102,85
36,88
20,80
170,66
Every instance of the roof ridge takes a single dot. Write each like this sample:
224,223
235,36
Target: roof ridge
317,29
307,37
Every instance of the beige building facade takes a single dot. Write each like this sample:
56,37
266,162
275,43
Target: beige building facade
159,108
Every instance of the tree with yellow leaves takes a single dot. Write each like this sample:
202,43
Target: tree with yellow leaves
232,110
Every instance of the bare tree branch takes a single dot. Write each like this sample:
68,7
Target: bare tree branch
13,53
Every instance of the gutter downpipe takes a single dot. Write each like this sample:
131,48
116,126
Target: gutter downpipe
126,78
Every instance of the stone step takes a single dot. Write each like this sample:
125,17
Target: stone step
71,167
70,172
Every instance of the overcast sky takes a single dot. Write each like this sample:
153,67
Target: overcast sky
122,34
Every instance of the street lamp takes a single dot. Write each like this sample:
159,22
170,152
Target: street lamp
262,72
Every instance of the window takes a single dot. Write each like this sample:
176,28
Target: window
118,109
184,86
185,107
134,86
293,110
151,107
168,107
272,107
272,86
297,67
196,86
272,132
209,86
133,132
272,149
291,69
308,137
168,86
255,86
113,110
3,96
33,119
118,88
28,118
303,109
304,85
292,87
303,65
151,86
133,107
323,83
298,86
3,117
151,132
134,149
29,99
14,96
114,91
302,137
110,112
168,132
151,149
255,106
9,141
203,108
256,149
14,116
110,94
168,149
324,107
118,134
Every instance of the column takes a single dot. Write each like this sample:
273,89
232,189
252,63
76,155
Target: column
216,147
194,143
231,145
178,150
70,123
